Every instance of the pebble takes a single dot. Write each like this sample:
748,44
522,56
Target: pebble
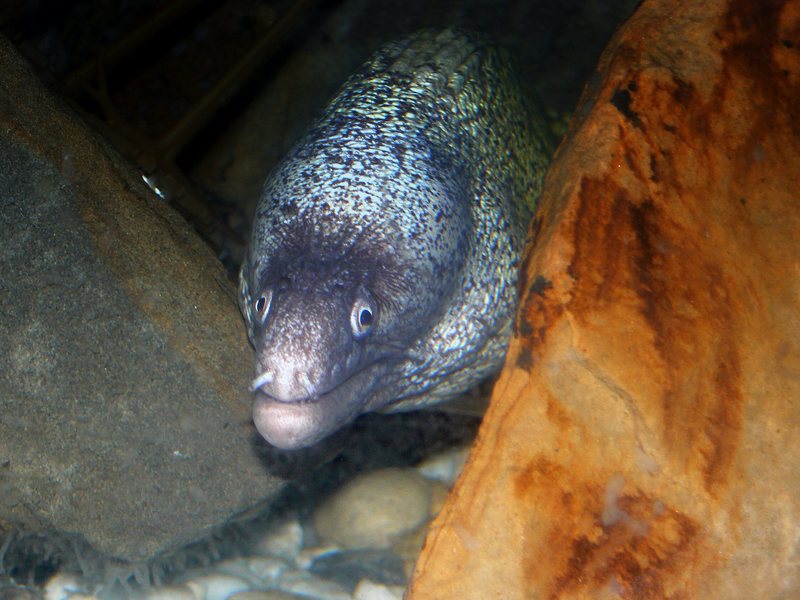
375,509
309,556
369,590
62,586
216,586
285,541
168,592
266,595
348,567
444,467
258,571
308,586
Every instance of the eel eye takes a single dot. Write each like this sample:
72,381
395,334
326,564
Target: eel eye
363,316
261,306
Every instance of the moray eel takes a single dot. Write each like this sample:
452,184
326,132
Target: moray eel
382,266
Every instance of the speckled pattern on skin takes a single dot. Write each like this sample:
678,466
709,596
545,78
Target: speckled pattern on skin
404,206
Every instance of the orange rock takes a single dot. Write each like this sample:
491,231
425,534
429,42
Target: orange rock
642,440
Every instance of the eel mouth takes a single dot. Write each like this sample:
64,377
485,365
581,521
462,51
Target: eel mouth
294,425
291,425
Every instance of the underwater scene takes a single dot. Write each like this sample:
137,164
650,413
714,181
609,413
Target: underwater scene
265,263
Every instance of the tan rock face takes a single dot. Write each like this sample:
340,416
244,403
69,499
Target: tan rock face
642,440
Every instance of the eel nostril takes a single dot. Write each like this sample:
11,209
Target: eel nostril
263,379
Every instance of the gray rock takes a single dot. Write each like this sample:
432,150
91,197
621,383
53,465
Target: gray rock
124,415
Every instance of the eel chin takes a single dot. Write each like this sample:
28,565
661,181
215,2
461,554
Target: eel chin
292,425
302,423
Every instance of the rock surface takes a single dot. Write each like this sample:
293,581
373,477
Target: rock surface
284,558
642,440
124,412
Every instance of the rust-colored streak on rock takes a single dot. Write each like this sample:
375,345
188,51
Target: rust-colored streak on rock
637,553
572,503
635,563
626,246
539,310
762,50
602,236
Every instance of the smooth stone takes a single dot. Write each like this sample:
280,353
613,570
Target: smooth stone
444,467
285,541
62,586
266,595
351,566
373,510
258,571
304,584
216,586
369,590
167,592
308,556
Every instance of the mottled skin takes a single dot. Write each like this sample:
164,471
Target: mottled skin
382,267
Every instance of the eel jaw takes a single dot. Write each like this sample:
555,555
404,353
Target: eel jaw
298,424
291,425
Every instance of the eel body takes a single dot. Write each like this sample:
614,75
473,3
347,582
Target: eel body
382,266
